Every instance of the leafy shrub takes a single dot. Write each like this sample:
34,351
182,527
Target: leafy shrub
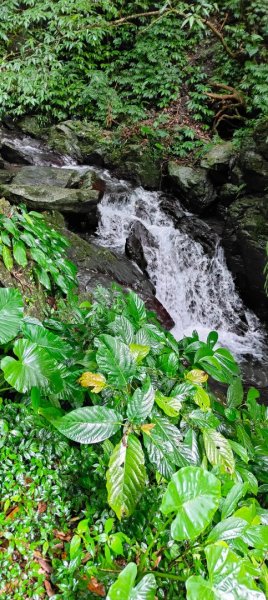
202,455
26,239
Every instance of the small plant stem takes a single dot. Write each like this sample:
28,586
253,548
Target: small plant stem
5,389
154,540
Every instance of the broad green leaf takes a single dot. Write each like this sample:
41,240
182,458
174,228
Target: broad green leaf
202,399
150,335
183,391
169,405
115,360
34,368
141,404
42,277
218,450
39,256
19,253
200,589
159,456
136,308
123,588
228,574
145,590
167,437
11,313
75,546
191,441
90,424
10,226
194,494
256,536
239,450
203,419
228,529
123,328
235,393
169,363
7,258
221,366
248,477
230,503
228,578
57,347
126,476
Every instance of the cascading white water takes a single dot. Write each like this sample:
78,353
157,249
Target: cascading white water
197,290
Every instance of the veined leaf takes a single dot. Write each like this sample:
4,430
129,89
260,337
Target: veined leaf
139,352
42,337
123,588
218,450
202,399
228,529
235,393
115,360
136,308
19,253
158,455
141,403
90,424
126,476
34,368
122,327
168,437
11,313
94,380
194,494
230,503
7,258
170,406
229,578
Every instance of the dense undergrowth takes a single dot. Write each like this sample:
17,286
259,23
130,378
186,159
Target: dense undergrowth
187,67
123,466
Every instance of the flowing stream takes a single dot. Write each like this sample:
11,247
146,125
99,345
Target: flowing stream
197,290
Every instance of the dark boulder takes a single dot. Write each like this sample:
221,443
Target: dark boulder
192,186
245,238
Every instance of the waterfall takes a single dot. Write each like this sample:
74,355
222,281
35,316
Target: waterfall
196,288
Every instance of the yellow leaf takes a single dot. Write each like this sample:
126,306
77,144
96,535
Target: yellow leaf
147,427
139,351
93,380
197,376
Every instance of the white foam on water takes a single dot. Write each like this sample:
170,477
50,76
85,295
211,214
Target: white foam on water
197,290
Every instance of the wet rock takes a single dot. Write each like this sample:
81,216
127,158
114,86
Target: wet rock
136,163
219,158
5,176
32,125
138,238
172,207
245,238
260,137
49,176
254,168
46,197
23,150
192,186
100,266
200,232
85,142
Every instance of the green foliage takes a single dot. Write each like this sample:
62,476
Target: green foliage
26,239
98,61
145,401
